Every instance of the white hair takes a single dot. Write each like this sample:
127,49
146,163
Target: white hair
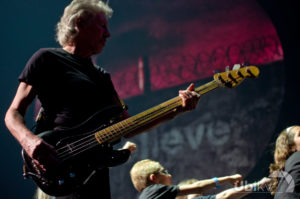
84,10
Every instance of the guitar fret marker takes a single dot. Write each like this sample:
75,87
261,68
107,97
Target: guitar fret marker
70,148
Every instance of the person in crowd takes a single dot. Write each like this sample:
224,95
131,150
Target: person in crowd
285,171
153,181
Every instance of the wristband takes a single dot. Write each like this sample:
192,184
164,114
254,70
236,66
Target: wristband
255,186
216,180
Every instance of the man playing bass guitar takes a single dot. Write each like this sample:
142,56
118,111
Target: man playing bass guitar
71,89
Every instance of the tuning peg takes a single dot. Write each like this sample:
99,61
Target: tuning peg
227,68
236,66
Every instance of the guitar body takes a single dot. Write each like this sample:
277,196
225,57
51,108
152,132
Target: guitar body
79,153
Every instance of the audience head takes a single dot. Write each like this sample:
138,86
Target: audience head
147,172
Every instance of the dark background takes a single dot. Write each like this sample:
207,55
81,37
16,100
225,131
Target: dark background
231,131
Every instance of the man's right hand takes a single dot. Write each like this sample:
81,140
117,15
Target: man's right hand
43,154
264,182
235,179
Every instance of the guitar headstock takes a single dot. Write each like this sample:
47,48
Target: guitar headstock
234,77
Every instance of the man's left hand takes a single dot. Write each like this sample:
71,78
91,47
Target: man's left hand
189,98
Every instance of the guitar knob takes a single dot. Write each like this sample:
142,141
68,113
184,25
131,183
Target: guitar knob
60,182
226,68
236,66
25,175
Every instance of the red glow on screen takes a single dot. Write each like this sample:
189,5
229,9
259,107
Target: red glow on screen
192,49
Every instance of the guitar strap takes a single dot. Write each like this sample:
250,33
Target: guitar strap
124,106
43,121
116,97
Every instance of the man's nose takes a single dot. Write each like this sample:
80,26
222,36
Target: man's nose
107,33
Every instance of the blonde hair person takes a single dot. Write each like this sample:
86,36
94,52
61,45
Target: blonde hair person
285,170
153,181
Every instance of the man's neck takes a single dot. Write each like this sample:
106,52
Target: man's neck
72,49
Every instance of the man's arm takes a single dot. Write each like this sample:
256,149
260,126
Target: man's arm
239,192
205,185
34,146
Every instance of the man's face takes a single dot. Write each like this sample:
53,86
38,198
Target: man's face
164,177
93,34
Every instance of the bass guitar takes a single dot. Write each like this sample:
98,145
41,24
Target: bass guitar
95,137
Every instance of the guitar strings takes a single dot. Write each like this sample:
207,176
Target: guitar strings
89,141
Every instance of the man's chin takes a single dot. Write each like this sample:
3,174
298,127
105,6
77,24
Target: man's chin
97,51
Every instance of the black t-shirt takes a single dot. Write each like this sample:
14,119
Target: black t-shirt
160,191
69,87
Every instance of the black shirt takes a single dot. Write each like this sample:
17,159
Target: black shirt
70,90
69,87
160,191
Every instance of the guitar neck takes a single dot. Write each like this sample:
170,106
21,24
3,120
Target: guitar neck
128,125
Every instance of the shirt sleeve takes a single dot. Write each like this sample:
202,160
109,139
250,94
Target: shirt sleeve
34,69
159,191
293,169
289,185
111,86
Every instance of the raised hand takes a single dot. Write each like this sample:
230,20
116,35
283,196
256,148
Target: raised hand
189,98
264,182
236,179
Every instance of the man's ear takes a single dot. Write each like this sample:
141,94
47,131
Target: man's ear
78,23
153,178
